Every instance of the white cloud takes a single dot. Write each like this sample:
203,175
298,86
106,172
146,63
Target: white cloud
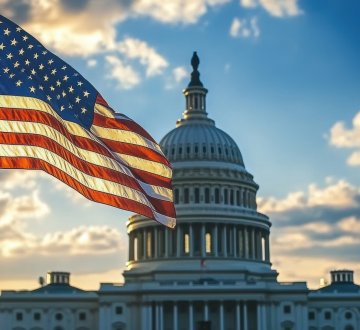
148,56
124,74
12,178
91,63
278,8
244,28
343,137
178,74
340,194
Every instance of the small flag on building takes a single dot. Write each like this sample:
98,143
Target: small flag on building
52,119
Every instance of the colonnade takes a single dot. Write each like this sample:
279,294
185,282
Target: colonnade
220,315
200,240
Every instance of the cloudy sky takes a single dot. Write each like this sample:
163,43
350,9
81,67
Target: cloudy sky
284,82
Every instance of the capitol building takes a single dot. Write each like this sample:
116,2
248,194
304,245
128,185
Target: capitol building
212,272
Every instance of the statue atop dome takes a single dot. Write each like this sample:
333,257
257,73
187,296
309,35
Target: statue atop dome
195,75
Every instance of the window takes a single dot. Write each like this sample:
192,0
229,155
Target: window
176,196
232,197
207,195
19,316
82,316
217,196
327,315
37,316
197,195
348,315
118,310
186,196
287,309
311,315
226,196
58,316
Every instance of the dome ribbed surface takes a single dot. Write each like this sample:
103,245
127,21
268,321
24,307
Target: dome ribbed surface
200,141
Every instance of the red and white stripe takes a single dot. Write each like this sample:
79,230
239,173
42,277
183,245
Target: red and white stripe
116,162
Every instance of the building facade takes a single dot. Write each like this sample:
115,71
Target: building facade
213,271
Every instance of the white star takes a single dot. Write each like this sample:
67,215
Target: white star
41,66
58,96
27,62
6,70
65,78
32,89
71,89
36,55
53,71
18,83
63,94
16,64
30,46
2,46
18,29
77,99
86,93
79,83
52,88
48,97
46,78
7,31
13,42
41,87
64,67
51,61
58,83
25,38
9,56
62,108
33,71
44,52
83,110
12,75
21,51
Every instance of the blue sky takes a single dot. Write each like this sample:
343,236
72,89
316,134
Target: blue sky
283,80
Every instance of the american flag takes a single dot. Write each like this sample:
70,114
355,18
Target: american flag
52,119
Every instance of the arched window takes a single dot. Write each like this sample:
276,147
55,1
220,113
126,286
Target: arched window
197,195
207,195
176,196
217,195
186,196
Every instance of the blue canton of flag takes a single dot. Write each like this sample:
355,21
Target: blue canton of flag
28,69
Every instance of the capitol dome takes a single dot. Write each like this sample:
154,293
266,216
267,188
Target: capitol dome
215,201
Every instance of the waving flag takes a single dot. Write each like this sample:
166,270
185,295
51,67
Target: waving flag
54,120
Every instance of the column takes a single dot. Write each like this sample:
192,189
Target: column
206,311
144,243
145,316
259,316
245,316
267,247
221,315
224,241
263,317
191,240
238,316
253,243
203,250
246,244
215,233
161,318
191,316
156,242
166,242
178,240
234,230
175,318
131,246
259,238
